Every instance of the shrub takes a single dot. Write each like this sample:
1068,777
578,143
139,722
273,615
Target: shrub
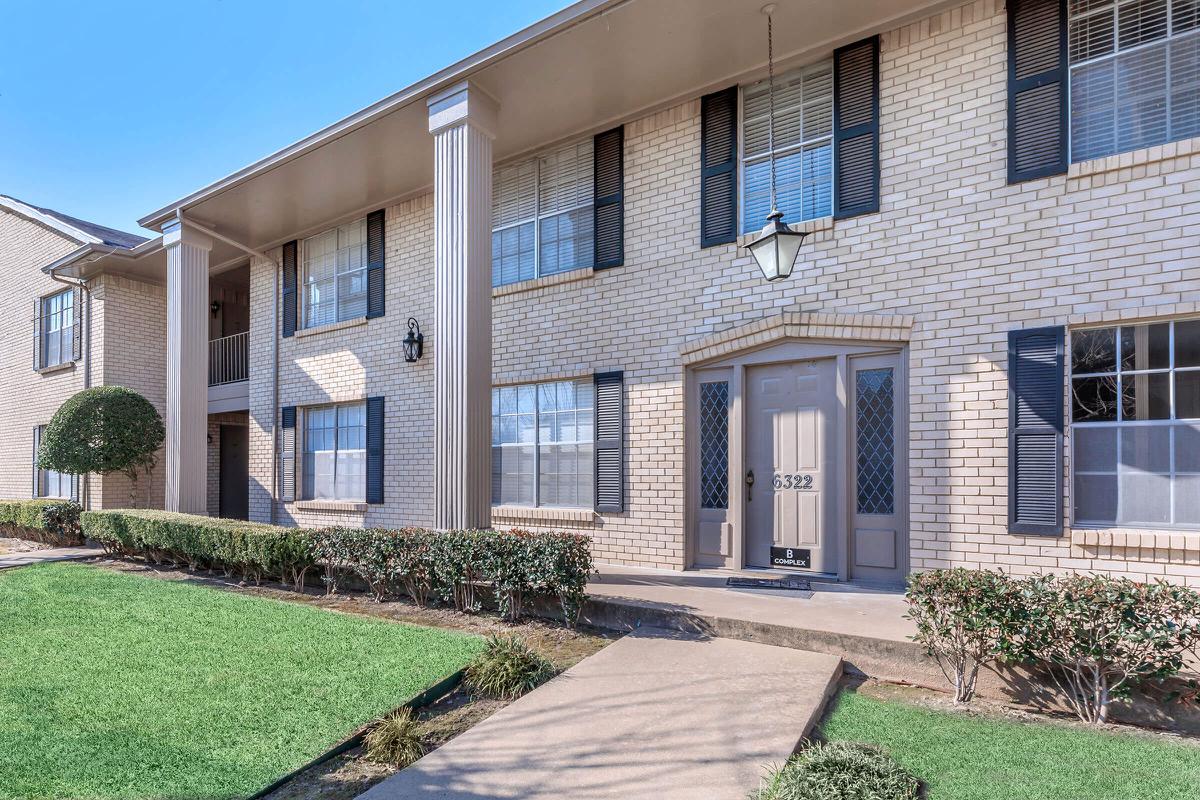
103,429
839,771
1099,636
47,521
507,668
395,739
962,618
251,549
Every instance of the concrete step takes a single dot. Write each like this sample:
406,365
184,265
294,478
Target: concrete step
658,714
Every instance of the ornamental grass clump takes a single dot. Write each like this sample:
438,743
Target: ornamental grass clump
963,620
395,739
507,668
1098,637
839,771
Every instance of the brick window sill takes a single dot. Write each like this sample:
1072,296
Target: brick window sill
513,514
331,505
66,366
541,283
1184,542
1135,158
331,327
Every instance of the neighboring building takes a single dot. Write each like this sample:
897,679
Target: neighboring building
988,354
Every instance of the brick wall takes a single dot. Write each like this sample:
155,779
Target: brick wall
966,255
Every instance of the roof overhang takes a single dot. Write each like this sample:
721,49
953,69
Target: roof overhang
146,262
590,66
54,223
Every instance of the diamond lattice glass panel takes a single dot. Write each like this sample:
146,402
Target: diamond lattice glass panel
714,445
875,440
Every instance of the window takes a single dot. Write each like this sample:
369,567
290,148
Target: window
714,445
1135,412
543,444
542,215
1135,74
335,274
335,453
51,483
803,151
58,328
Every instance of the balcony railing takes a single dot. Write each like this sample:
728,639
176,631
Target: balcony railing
228,359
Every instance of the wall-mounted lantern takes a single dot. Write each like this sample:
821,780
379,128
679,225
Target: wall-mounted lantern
414,342
214,307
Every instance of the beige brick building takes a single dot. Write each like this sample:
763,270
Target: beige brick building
986,354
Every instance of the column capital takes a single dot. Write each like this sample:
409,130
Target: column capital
463,103
177,232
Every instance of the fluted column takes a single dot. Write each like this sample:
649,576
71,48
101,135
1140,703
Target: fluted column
187,369
462,120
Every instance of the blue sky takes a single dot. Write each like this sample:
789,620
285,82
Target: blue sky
109,110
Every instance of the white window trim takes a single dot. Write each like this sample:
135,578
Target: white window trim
773,154
65,357
303,282
1120,424
302,497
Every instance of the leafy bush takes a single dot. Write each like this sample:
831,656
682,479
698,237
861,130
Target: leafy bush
1099,636
251,549
962,618
839,771
454,565
101,430
54,522
395,739
507,668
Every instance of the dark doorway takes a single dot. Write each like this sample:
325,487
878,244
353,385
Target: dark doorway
234,502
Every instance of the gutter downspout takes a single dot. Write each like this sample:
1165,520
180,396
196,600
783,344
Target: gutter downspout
85,483
274,347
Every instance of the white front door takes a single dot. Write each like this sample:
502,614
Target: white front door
793,465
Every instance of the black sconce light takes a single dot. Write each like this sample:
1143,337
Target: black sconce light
413,342
214,307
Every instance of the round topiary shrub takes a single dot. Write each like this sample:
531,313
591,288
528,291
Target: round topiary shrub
102,430
840,771
507,668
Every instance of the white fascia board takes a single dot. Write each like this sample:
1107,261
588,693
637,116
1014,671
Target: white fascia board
32,214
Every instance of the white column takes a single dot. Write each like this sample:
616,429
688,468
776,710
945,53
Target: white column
187,369
462,120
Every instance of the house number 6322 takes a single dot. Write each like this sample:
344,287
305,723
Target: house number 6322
784,480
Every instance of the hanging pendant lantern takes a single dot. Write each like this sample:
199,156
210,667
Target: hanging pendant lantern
777,245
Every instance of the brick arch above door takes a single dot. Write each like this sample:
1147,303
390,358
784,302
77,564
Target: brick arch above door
795,324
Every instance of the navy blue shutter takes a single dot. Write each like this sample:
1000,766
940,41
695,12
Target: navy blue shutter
37,334
610,441
608,187
718,167
856,128
289,288
1035,431
37,474
287,454
1037,89
374,449
375,264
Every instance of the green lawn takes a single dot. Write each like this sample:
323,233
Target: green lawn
963,757
121,686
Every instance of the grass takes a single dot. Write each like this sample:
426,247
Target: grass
121,686
971,757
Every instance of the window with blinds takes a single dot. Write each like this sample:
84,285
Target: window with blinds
335,274
542,215
803,147
1135,74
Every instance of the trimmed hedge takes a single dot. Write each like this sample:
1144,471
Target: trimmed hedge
47,521
251,549
453,565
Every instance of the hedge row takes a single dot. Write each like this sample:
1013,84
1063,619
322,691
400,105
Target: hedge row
47,521
452,565
250,549
1094,637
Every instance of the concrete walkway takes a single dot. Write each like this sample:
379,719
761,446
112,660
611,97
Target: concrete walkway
10,560
658,714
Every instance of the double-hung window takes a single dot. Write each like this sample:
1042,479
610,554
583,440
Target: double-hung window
542,215
1135,74
335,274
1135,422
543,444
58,328
802,151
335,453
49,482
